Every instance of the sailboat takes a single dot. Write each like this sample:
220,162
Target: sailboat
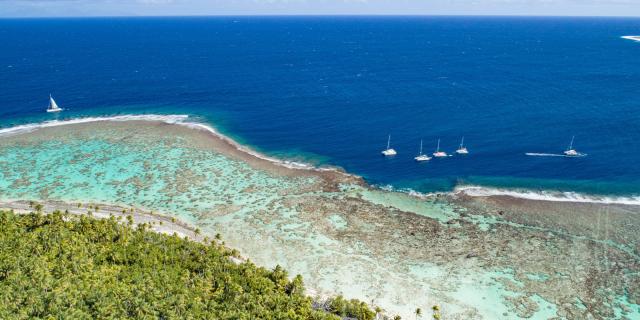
389,152
53,107
462,149
438,153
570,152
422,157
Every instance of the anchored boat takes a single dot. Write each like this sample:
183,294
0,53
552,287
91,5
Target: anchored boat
389,152
438,153
421,156
462,149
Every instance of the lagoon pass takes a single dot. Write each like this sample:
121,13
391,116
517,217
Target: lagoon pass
479,256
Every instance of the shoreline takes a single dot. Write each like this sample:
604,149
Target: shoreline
157,222
334,173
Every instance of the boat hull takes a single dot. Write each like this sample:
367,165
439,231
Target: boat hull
389,152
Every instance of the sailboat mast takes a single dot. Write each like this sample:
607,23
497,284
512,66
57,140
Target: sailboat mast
388,142
462,143
571,144
421,147
438,148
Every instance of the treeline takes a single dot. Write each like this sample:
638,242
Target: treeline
60,266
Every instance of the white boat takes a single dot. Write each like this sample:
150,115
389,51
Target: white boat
389,152
462,149
438,153
422,157
570,152
53,106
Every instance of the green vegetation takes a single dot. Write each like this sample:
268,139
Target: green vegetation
60,266
436,312
350,308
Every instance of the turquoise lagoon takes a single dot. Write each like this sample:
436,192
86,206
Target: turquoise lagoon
389,249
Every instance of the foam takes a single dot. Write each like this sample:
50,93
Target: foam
409,191
55,123
555,196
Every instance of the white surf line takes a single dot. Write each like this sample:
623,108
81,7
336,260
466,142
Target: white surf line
634,38
54,123
410,192
553,196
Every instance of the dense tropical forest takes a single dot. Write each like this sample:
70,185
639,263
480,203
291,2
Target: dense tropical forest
62,266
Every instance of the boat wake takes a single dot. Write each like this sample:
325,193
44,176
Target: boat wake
535,154
634,38
555,196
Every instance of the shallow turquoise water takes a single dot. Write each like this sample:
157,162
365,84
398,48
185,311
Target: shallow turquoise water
166,176
270,218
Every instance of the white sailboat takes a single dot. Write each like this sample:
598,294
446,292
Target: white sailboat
53,106
389,152
462,149
570,152
438,153
422,157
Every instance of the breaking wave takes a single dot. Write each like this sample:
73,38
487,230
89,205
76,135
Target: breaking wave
25,128
556,196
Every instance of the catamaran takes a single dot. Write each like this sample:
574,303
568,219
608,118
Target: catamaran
438,153
462,149
570,152
389,152
422,157
53,107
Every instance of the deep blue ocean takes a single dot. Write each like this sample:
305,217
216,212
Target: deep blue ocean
328,90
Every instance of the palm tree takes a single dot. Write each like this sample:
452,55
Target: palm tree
418,313
436,312
378,310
